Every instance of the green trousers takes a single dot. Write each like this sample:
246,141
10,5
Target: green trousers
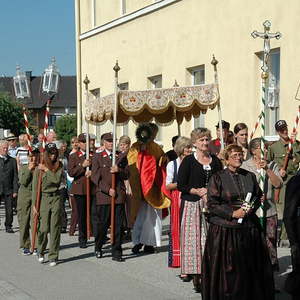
50,222
24,216
280,208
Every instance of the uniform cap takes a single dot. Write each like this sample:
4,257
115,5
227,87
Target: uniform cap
51,148
281,124
107,137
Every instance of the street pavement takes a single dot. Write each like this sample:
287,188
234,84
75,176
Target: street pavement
79,275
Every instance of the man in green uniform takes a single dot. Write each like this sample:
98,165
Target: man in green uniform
25,200
51,204
278,152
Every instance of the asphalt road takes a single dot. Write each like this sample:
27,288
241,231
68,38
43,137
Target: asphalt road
79,275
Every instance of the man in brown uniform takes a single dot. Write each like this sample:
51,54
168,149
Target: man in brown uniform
102,178
77,169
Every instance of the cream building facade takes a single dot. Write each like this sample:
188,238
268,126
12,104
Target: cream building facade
158,42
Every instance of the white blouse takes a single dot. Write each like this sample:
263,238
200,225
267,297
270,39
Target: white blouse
170,170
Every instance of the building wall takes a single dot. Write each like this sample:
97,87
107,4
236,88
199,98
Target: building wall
185,34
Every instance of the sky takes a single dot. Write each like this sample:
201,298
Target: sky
33,31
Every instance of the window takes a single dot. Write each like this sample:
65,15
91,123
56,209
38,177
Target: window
124,87
95,93
197,76
155,82
53,119
272,93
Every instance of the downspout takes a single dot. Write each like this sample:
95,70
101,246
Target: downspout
78,67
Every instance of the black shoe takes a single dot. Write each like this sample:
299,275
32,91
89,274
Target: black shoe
136,249
9,230
118,259
149,249
98,254
187,278
197,283
82,245
63,230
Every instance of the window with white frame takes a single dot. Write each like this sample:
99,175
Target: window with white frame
197,75
124,87
272,94
155,82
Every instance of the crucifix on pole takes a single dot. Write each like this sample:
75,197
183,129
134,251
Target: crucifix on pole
266,36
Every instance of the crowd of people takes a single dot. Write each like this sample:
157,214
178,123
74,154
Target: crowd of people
226,206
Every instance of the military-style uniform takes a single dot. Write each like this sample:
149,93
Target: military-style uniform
50,211
277,153
102,178
78,189
24,205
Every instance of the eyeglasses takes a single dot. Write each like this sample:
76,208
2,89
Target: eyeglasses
237,155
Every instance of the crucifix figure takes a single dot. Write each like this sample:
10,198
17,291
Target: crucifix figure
267,36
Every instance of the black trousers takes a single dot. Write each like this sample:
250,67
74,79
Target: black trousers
81,208
101,223
8,201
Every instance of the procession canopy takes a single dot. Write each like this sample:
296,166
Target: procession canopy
163,105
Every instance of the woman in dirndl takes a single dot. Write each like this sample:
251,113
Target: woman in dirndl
182,147
193,175
236,262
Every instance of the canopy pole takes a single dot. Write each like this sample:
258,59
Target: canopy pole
178,124
178,129
87,156
214,62
116,69
113,181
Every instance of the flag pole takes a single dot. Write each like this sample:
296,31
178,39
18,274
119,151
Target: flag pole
113,185
87,152
214,62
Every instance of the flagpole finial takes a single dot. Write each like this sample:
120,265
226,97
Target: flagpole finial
214,62
116,68
86,82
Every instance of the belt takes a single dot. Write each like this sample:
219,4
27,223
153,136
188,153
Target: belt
51,194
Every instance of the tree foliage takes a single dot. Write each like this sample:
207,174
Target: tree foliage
11,114
66,127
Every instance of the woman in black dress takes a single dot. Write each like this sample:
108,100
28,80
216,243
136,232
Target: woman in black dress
193,175
236,263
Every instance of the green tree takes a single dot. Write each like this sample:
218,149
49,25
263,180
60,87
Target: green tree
11,114
66,127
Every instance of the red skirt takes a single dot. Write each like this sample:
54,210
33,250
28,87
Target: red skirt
174,242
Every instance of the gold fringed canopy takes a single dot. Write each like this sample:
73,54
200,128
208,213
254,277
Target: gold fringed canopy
164,105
